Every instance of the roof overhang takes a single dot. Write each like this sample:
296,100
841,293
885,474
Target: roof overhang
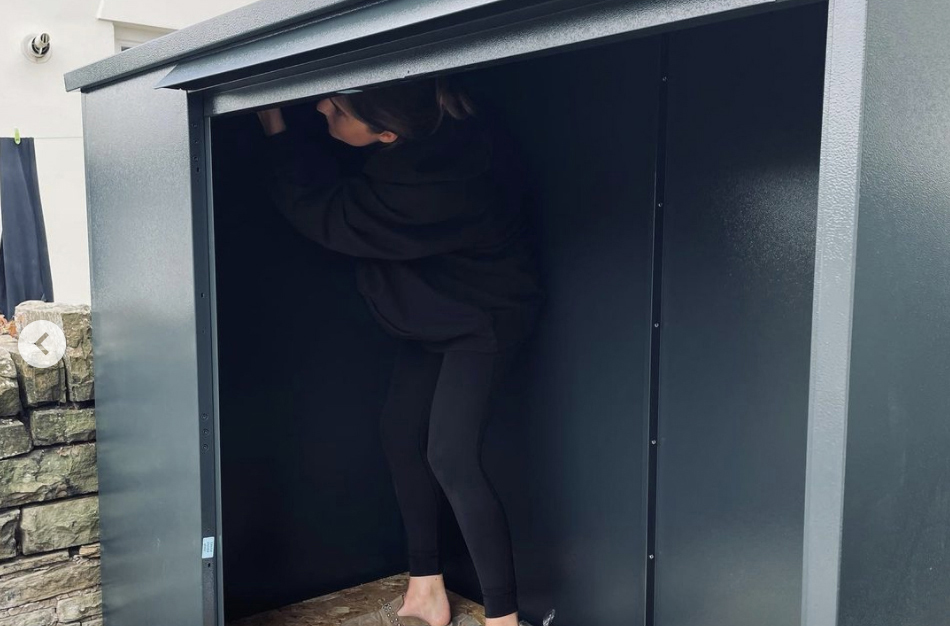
327,45
235,26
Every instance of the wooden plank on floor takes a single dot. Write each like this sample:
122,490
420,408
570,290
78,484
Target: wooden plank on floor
333,608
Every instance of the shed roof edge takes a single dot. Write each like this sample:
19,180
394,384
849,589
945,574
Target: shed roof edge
253,20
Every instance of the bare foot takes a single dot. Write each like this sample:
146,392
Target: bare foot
427,600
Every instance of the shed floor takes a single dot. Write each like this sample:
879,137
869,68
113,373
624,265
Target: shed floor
333,608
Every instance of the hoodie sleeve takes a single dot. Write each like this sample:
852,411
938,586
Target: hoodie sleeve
362,217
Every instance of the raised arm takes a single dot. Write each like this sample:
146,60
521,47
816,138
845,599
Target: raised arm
358,216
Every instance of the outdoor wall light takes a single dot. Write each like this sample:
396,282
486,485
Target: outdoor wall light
36,47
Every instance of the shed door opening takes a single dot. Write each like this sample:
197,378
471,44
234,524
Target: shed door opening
686,323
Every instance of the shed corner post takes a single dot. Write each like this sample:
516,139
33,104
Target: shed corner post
835,247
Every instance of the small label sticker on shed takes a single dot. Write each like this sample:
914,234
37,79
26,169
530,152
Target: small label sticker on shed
207,547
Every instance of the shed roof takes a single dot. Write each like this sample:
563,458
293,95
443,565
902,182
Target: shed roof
247,22
270,35
257,21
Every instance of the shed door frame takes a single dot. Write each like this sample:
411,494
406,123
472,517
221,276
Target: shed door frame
199,127
836,227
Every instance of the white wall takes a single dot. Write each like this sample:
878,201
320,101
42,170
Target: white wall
33,98
171,14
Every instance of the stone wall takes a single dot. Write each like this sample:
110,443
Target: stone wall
49,514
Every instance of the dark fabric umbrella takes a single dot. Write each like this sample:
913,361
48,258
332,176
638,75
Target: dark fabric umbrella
24,257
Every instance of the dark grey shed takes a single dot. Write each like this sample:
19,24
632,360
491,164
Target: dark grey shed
736,408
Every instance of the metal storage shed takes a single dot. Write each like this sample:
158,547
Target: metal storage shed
725,337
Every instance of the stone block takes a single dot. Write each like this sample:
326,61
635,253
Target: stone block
62,425
37,385
96,621
32,562
29,607
56,525
43,617
48,474
76,322
9,387
48,582
14,438
93,550
82,607
8,524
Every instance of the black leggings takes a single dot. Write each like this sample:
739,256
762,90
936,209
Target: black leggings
432,427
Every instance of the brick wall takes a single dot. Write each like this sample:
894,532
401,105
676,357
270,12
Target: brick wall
49,514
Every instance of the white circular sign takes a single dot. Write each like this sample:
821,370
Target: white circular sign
42,343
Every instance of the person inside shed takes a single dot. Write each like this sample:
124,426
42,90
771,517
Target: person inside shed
436,220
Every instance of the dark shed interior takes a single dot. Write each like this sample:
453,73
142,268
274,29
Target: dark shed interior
676,190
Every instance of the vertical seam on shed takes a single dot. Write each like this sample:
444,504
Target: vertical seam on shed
656,327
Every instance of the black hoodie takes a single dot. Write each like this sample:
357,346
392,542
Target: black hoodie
438,225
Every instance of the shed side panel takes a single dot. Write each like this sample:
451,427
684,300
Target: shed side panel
144,333
895,559
744,132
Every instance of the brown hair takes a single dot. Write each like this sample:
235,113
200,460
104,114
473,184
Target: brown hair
412,109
